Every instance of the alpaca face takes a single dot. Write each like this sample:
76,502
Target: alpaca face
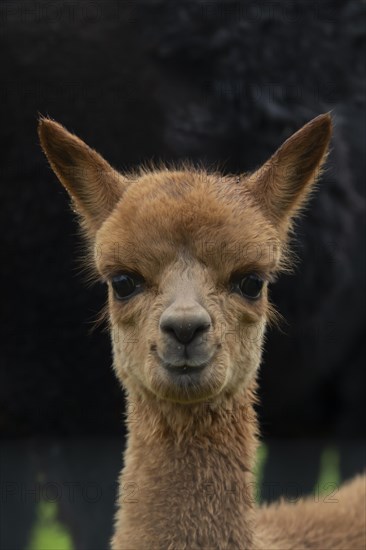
187,257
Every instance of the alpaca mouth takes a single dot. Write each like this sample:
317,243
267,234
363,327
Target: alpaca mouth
185,382
183,367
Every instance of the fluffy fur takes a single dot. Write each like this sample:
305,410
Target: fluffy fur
187,480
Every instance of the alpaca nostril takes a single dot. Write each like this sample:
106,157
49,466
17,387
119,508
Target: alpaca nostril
185,330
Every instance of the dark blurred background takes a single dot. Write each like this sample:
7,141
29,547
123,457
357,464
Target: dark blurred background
214,82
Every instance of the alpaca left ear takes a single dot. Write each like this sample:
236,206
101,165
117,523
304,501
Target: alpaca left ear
283,183
93,185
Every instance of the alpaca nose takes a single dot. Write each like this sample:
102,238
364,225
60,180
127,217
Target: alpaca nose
185,325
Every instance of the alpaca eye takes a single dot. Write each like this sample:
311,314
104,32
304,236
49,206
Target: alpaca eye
249,286
126,285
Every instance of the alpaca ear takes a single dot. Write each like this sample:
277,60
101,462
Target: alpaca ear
94,186
283,183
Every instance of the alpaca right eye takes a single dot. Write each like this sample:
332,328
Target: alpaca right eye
126,285
249,286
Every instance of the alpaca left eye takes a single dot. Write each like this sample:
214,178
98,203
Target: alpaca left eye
126,285
249,286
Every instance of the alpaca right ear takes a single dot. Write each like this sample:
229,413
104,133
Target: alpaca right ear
282,185
94,186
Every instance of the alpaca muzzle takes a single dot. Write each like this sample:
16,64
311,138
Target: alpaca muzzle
184,336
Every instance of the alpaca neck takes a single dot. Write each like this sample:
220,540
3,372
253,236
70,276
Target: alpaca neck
187,477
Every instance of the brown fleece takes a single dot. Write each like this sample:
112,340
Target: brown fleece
187,481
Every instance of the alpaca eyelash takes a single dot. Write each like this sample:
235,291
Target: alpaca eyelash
267,277
109,273
272,278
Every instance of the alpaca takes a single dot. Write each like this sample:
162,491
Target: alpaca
187,256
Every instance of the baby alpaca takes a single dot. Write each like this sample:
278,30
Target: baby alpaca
187,256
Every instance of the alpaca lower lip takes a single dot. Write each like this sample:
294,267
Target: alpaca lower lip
184,370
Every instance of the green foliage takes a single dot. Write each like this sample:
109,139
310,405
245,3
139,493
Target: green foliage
329,476
48,533
261,459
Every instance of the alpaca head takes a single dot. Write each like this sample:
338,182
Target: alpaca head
187,256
